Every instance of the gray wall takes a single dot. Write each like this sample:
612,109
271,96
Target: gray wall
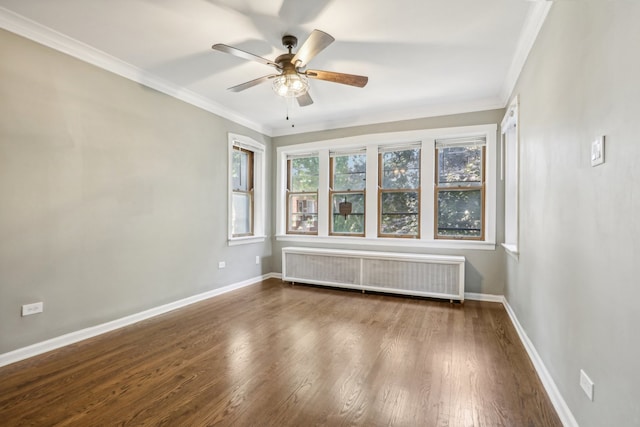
484,269
575,288
112,196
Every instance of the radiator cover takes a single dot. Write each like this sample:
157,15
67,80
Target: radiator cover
436,276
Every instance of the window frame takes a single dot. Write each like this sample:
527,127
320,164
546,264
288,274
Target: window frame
472,187
300,193
257,193
333,192
248,192
371,144
381,191
510,175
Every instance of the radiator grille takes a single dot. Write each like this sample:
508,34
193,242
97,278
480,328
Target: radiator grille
412,274
323,268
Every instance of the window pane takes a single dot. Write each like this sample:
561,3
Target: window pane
460,213
241,214
399,213
303,213
349,172
304,174
458,165
401,169
352,223
240,170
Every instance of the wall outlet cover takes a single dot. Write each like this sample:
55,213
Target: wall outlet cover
29,309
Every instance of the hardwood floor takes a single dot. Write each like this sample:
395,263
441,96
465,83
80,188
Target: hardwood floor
274,354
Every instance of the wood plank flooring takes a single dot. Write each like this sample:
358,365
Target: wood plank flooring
274,354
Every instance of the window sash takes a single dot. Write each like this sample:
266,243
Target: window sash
412,219
307,220
239,218
410,216
291,178
357,217
245,189
304,215
459,187
348,193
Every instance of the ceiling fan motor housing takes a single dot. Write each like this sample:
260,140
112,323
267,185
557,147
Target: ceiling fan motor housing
289,41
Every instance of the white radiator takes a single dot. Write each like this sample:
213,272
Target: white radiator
411,274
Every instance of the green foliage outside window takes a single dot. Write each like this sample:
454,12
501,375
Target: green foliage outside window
352,223
304,174
399,200
459,193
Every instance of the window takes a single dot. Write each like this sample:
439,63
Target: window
399,192
420,188
302,195
347,193
242,196
246,190
510,176
459,187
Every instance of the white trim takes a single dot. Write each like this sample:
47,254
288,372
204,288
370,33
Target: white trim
235,241
530,30
387,116
259,179
39,33
388,242
556,398
83,334
512,251
371,141
473,296
510,174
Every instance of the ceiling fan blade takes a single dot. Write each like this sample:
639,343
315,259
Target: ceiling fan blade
251,83
345,79
317,41
304,99
242,54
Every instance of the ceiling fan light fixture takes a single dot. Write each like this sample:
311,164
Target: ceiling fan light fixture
290,85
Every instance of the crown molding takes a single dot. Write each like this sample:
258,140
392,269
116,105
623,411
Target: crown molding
530,30
46,36
393,116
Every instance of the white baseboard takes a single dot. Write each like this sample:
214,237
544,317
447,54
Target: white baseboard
557,400
83,334
483,297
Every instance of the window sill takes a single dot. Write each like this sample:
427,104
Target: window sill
390,242
512,250
234,241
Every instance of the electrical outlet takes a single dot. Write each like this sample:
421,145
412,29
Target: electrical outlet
257,259
586,384
222,264
35,308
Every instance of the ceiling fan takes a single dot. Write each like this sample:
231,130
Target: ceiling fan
292,78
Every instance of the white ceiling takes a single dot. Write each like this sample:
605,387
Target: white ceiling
423,57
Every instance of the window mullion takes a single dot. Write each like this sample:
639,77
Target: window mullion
371,200
323,193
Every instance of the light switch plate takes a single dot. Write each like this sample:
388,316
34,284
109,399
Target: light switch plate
597,151
586,384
